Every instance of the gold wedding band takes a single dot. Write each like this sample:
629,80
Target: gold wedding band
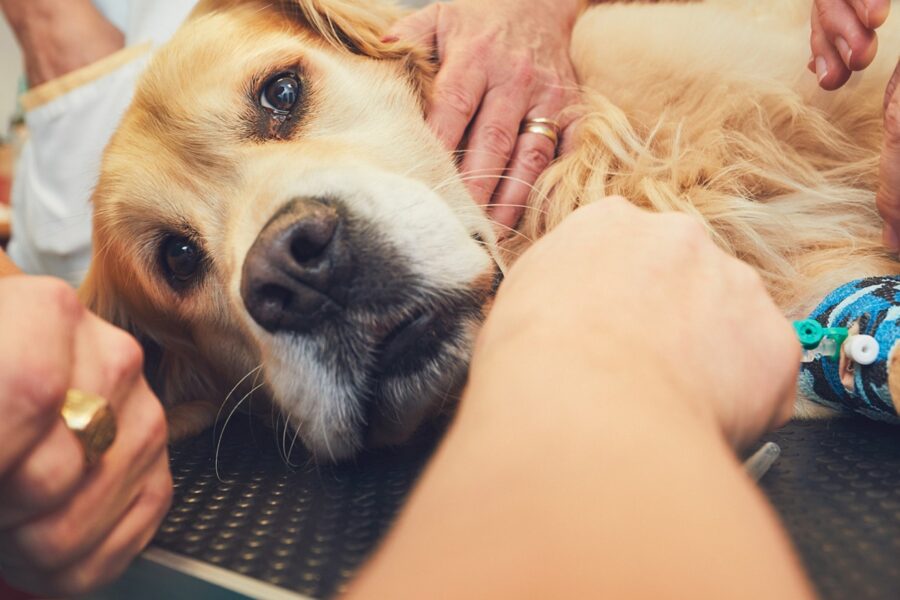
91,419
542,126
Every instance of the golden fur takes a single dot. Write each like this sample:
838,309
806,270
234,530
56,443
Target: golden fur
703,108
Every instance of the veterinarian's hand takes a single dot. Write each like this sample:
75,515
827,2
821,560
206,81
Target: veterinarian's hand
843,38
502,62
648,300
60,36
66,529
888,198
619,350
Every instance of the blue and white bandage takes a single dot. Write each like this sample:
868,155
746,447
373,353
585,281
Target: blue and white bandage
870,307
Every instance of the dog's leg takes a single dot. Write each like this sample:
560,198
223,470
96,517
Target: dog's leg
188,419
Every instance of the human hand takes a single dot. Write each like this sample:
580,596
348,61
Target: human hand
502,62
66,529
647,299
60,36
843,38
888,198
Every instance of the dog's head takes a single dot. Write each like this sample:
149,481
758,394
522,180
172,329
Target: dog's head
273,204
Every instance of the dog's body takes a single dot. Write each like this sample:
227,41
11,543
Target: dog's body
325,249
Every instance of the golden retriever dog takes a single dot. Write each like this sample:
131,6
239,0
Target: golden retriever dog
274,217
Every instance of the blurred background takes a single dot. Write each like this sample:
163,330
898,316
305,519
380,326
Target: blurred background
10,78
10,73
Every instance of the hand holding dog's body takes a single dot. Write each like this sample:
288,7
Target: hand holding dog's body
65,529
502,62
58,37
621,350
653,298
843,40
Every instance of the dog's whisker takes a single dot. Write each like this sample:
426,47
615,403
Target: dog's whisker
225,426
498,248
228,396
530,186
290,451
284,434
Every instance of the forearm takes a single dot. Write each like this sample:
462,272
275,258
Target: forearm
584,486
59,36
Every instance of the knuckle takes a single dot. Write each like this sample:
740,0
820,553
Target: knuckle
892,121
887,204
63,299
160,495
604,208
523,72
81,581
155,426
497,138
535,160
126,357
555,92
485,42
821,10
38,387
749,278
51,547
685,226
457,99
617,201
686,233
48,483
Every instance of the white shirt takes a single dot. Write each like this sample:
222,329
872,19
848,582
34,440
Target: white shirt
59,165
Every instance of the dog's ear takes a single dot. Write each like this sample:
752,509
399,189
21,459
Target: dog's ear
349,25
100,301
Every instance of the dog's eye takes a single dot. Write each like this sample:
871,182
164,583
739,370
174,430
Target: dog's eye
181,258
281,93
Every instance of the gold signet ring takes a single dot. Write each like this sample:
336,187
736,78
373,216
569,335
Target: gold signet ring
91,419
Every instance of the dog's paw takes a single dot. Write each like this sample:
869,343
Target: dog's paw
189,419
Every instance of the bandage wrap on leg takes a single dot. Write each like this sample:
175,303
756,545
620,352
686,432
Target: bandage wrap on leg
870,307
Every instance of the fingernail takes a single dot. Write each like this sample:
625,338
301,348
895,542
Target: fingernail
844,48
390,39
889,237
821,68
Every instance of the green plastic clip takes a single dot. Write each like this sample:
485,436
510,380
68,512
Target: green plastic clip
811,333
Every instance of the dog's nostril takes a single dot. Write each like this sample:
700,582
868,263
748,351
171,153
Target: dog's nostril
313,232
274,297
297,262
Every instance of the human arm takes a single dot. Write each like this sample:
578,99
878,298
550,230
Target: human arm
66,528
59,36
843,39
591,456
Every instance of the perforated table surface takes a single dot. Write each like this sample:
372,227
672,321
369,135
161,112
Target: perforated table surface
307,528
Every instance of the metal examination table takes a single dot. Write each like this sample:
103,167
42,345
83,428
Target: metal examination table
268,530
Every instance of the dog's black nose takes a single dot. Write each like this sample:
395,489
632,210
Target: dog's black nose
295,264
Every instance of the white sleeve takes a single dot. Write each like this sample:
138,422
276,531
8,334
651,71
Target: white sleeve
59,165
58,168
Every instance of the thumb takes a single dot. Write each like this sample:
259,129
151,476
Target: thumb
888,199
418,28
